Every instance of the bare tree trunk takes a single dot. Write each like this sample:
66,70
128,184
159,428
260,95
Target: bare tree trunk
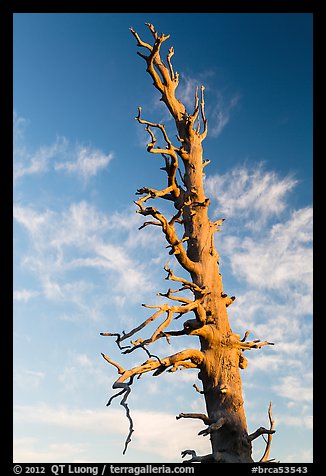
221,351
222,355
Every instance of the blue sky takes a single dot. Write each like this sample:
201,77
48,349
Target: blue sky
81,266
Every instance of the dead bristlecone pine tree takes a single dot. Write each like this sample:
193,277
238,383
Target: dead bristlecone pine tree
190,236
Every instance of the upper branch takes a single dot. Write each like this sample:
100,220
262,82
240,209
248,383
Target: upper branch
139,41
174,75
170,148
202,111
164,78
171,165
154,56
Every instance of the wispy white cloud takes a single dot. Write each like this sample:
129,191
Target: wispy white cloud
273,316
302,421
128,222
79,237
305,456
280,260
79,370
24,295
295,389
170,436
86,163
250,194
27,378
82,161
161,436
78,225
37,162
271,362
31,449
20,124
34,221
274,249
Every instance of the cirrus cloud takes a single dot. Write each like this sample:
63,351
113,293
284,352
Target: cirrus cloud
82,161
86,163
250,194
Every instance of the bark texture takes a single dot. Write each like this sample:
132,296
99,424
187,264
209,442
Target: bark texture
221,354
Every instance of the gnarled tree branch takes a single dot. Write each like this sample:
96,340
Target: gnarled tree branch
171,166
264,458
213,427
259,432
200,416
170,310
255,344
163,78
186,358
211,458
243,345
170,236
193,355
198,389
186,284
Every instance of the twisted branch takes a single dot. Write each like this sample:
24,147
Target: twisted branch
170,235
187,305
243,345
215,426
202,111
186,284
169,295
171,166
190,358
259,432
170,310
173,75
198,389
200,416
153,57
193,355
264,458
164,79
255,344
192,117
199,459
